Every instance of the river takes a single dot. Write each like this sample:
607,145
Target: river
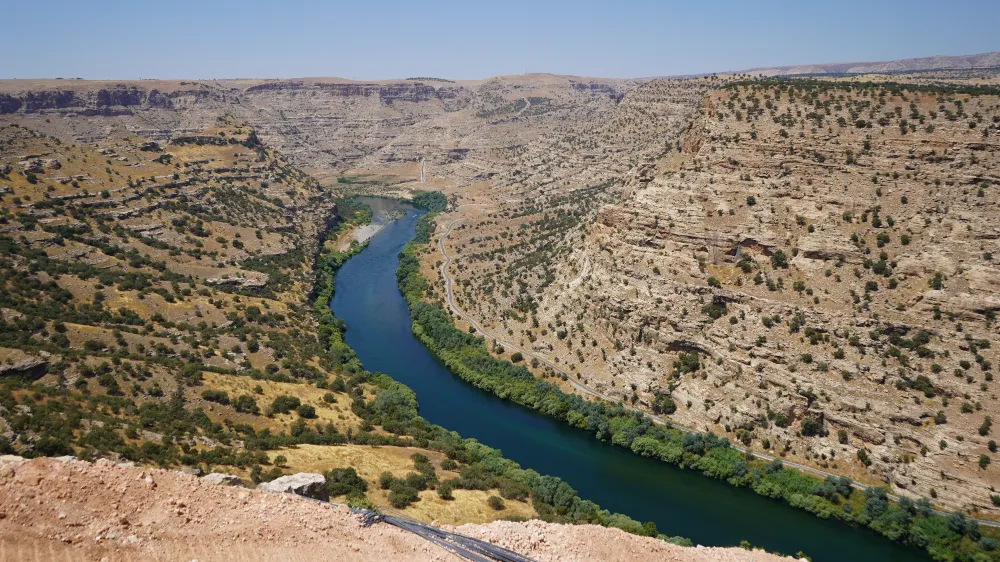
680,502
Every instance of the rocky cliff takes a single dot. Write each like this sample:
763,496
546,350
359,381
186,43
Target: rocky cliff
807,269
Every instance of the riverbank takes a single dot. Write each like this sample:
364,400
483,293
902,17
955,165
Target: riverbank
394,408
368,300
834,498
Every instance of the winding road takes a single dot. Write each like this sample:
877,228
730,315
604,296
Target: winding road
583,389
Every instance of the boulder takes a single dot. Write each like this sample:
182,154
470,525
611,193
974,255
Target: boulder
221,479
305,484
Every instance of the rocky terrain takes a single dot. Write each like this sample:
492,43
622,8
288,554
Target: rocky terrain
72,510
329,125
158,307
807,269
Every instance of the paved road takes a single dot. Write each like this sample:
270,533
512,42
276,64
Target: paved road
591,392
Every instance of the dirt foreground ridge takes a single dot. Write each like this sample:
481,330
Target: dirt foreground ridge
73,510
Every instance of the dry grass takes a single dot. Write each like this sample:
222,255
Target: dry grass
339,413
370,462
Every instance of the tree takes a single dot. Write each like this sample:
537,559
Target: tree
984,429
876,501
445,490
344,482
779,260
864,458
246,404
401,494
283,404
811,427
385,480
663,404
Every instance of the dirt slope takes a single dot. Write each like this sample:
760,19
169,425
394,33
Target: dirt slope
73,510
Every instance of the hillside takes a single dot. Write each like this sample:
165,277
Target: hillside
158,307
163,515
962,62
329,125
807,269
803,267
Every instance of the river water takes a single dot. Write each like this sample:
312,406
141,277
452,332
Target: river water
680,502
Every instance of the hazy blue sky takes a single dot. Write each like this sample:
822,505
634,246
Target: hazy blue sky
474,39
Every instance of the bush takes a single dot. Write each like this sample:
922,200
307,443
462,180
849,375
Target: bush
283,404
445,490
385,480
495,502
401,495
245,403
344,482
664,404
217,396
306,411
779,260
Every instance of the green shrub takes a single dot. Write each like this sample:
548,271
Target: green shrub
344,482
495,503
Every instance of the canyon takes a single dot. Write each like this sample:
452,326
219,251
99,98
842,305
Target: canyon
804,266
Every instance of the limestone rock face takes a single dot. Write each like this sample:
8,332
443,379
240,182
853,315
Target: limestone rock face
15,362
305,484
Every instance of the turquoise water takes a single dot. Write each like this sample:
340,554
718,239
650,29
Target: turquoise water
685,503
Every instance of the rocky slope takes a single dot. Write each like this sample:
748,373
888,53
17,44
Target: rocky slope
806,268
72,510
329,125
811,273
157,305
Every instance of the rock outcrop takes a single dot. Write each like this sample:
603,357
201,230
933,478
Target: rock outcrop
221,479
303,484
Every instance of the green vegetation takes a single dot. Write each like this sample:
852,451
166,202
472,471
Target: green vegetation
433,201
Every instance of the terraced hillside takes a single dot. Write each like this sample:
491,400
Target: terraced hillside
158,307
807,269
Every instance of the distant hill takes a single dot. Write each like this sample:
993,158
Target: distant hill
984,60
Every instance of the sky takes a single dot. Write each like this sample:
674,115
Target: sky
472,39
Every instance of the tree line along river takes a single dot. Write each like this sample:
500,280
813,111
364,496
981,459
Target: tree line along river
680,502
